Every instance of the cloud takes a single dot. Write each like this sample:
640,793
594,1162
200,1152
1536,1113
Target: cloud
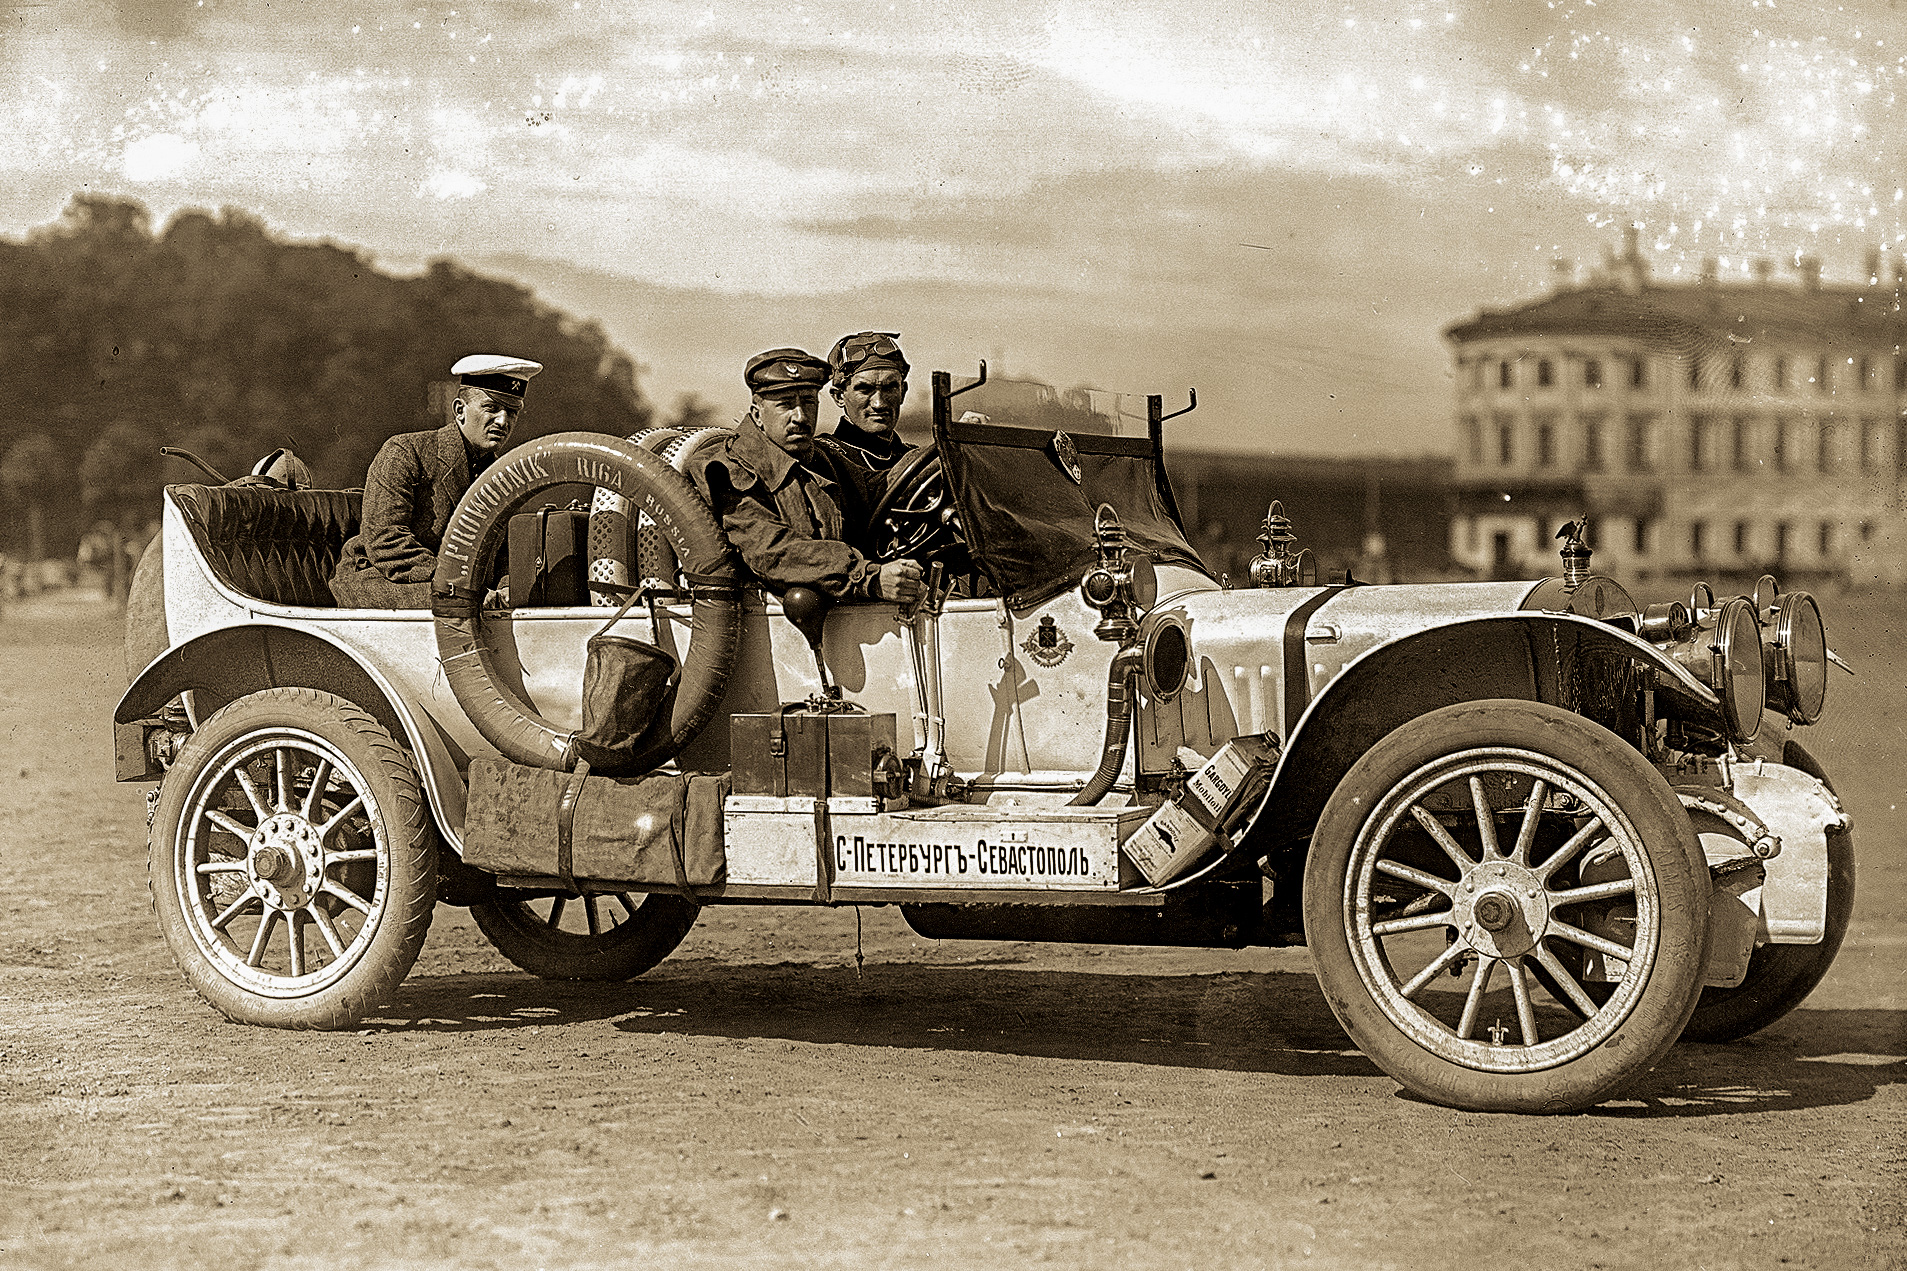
1302,192
447,183
969,223
162,156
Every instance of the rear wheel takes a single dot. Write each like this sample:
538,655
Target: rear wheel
609,936
1471,872
292,863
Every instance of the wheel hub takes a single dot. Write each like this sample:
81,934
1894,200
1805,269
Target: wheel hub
1494,911
286,861
1504,909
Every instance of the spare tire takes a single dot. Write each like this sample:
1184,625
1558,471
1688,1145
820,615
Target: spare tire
475,534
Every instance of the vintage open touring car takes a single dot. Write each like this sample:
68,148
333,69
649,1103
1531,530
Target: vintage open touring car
1531,832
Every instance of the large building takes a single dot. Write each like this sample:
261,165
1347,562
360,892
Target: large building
1708,429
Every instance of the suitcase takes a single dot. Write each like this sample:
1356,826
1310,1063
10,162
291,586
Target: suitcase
549,556
832,754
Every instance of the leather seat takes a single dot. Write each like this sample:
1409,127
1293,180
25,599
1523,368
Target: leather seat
277,545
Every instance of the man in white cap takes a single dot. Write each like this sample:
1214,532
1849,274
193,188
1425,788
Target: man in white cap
415,482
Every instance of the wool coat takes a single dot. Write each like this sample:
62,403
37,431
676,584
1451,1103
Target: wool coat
409,495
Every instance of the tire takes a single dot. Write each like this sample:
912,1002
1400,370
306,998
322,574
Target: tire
476,672
1780,976
538,932
244,862
1401,887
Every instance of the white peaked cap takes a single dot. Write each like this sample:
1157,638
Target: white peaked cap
495,372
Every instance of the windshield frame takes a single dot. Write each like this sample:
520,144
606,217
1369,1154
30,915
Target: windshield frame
1002,542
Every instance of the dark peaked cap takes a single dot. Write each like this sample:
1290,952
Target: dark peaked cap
784,370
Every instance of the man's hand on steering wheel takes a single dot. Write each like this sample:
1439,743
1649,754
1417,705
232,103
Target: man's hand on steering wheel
899,580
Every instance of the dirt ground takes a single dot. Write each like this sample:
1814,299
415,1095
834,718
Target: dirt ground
759,1101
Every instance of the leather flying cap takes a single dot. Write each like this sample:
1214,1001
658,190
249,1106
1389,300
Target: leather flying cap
784,371
285,468
494,373
863,349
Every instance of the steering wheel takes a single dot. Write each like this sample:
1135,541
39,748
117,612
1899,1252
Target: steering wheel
915,517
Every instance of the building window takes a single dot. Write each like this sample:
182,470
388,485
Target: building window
1867,531
1642,536
1694,371
1592,372
1781,372
1503,377
1476,373
1593,460
1698,443
1638,372
1864,373
1741,538
1821,375
1697,532
1640,443
1870,443
1545,373
1824,538
1473,439
1505,440
1900,374
1783,443
1900,448
1546,442
1782,529
1738,444
1826,447
1736,371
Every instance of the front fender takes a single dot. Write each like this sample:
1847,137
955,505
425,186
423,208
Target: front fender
1561,659
224,665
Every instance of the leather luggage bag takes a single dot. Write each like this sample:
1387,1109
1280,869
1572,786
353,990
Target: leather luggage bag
549,556
628,695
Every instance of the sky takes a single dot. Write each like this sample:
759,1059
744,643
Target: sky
1279,205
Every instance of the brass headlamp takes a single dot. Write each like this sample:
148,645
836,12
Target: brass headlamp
1122,584
1276,565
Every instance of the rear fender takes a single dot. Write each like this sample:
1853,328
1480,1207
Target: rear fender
1579,664
224,665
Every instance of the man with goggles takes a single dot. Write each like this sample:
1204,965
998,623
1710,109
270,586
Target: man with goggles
782,504
868,380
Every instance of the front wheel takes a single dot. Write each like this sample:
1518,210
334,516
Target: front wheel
1471,872
603,936
292,862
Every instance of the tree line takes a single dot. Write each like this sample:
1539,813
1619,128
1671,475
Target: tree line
217,336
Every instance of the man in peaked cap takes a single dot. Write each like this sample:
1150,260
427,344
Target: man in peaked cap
868,381
783,503
415,482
